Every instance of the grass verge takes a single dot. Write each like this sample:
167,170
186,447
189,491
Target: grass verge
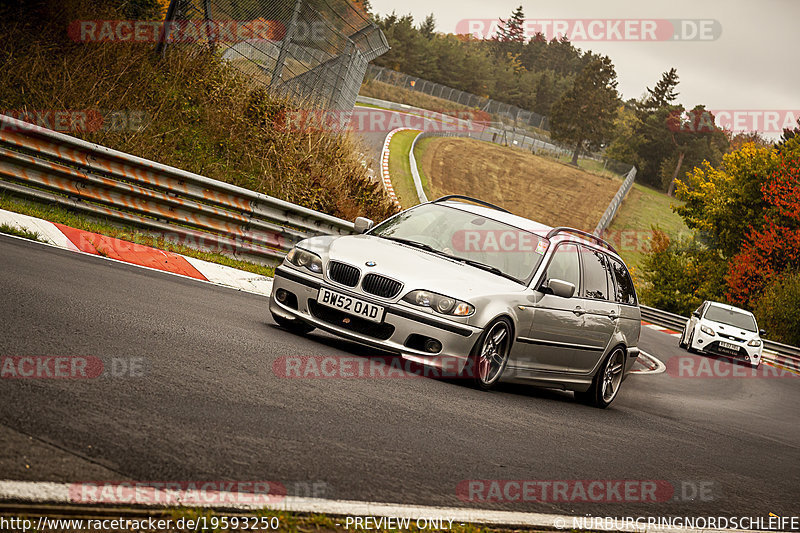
8,229
631,229
60,215
400,169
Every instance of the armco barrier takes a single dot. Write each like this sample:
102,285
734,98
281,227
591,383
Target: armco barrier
786,354
611,210
45,165
412,161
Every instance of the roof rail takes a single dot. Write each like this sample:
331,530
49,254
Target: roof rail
590,236
469,198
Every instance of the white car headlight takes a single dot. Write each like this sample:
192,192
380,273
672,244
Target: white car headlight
439,303
305,259
707,330
755,343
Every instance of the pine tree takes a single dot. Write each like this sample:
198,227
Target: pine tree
428,26
663,94
584,116
511,30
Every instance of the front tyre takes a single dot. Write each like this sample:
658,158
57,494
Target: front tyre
293,324
606,382
681,342
490,354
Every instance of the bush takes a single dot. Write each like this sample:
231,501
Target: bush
777,309
679,275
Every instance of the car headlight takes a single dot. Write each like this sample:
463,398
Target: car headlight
755,343
305,259
439,303
707,330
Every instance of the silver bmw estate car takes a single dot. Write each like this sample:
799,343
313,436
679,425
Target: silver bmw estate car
472,290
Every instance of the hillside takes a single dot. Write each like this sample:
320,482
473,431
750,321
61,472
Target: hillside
190,110
535,187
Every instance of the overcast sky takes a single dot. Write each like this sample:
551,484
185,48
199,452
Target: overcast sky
752,65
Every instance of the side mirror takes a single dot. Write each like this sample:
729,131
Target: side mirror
762,333
696,314
561,288
363,224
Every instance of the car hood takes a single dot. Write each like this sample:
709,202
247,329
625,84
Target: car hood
415,268
718,327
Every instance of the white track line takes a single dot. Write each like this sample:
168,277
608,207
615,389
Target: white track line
59,493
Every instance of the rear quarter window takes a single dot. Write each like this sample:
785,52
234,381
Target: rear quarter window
624,291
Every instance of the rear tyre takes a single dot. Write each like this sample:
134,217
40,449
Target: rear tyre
293,324
682,344
606,382
490,354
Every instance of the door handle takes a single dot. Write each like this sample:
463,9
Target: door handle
578,311
612,315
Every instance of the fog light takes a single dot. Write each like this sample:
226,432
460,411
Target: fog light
281,295
699,341
433,346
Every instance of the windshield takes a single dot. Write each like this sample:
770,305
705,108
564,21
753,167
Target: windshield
731,318
472,238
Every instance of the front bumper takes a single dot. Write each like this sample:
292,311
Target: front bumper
710,345
400,328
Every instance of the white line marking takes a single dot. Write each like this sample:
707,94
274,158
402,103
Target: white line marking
48,492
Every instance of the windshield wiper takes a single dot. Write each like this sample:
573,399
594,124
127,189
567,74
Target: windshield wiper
415,244
482,266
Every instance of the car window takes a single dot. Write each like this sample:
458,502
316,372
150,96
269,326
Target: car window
731,317
595,274
565,265
624,291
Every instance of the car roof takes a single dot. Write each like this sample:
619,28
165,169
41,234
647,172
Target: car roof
523,223
729,307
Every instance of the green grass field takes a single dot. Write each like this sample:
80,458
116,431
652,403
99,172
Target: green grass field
400,170
631,229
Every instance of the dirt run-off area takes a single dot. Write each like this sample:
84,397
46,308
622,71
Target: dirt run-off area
534,187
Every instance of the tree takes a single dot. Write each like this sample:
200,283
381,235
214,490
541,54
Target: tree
773,247
511,30
695,139
722,202
584,116
428,27
663,94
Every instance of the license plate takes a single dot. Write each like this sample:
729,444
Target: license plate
728,346
348,304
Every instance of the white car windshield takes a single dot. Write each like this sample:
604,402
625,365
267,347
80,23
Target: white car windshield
730,317
477,240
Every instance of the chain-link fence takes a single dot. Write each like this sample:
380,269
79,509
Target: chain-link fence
508,114
315,51
506,124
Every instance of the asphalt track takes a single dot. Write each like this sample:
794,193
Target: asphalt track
208,406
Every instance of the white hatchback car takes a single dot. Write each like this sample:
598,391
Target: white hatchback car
720,329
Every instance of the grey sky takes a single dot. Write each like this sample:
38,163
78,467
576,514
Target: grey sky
751,66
